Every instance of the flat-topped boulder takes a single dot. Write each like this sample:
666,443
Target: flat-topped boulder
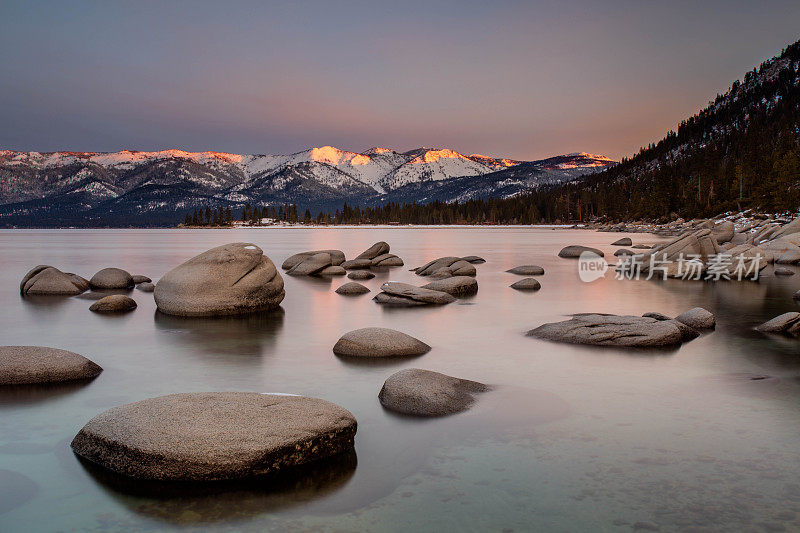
48,280
351,289
138,278
336,258
211,436
697,318
420,392
787,323
114,303
526,284
28,365
455,285
405,295
527,270
611,330
575,251
112,278
361,274
146,287
379,342
642,246
625,241
232,279
377,249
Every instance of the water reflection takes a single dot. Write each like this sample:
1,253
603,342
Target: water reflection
234,335
12,395
198,503
15,490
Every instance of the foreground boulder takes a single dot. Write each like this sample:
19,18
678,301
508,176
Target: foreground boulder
379,342
115,303
361,274
527,270
112,278
697,318
231,279
612,330
336,258
405,295
211,436
787,323
420,392
455,285
27,365
47,280
351,289
574,251
625,241
527,284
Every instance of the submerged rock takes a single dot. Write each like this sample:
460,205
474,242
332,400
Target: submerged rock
527,284
352,288
425,393
27,365
788,323
112,278
361,274
697,318
455,285
379,342
474,259
625,241
115,303
209,436
575,251
611,330
47,280
137,279
231,279
146,287
527,270
403,294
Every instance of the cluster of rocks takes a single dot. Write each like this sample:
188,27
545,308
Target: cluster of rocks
527,284
652,330
398,294
447,267
334,263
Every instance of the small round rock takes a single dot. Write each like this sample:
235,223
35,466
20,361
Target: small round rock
527,284
112,278
146,287
527,270
379,342
361,274
352,288
26,365
425,393
115,303
211,436
697,318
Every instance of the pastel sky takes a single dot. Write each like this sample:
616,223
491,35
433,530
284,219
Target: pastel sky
514,79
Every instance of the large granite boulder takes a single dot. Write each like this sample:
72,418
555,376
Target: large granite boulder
361,274
723,232
405,295
420,392
456,285
526,284
463,268
379,342
26,365
210,436
115,303
788,323
625,241
612,330
336,258
697,318
231,279
575,251
671,258
377,249
47,280
527,270
351,289
112,278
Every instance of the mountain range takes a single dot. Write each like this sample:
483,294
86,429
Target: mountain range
157,188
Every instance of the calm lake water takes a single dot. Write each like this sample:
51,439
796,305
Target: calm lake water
572,439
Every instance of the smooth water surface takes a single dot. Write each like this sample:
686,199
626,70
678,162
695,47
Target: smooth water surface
704,437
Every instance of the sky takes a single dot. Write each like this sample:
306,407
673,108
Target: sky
524,80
